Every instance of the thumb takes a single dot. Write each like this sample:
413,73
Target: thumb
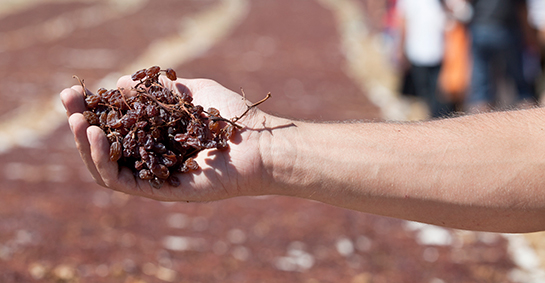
125,84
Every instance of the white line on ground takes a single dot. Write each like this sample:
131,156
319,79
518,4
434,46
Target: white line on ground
33,121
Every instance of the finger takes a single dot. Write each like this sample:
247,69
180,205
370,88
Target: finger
115,178
177,86
126,84
125,81
79,126
120,180
72,99
100,155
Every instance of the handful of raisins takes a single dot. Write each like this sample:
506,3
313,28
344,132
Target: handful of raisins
156,132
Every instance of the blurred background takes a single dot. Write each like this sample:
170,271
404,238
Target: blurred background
322,60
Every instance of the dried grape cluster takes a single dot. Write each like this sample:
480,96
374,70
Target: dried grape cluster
156,132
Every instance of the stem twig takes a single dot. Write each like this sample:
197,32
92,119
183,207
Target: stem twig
235,119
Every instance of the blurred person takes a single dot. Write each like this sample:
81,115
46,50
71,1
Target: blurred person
389,30
536,18
482,172
389,17
421,49
497,28
454,76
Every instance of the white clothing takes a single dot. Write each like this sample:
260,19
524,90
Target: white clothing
425,23
536,13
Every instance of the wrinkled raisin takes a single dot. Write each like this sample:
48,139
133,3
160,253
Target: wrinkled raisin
171,74
145,174
152,71
92,101
115,151
191,164
139,75
91,118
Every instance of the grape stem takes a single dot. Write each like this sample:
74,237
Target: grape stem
250,107
85,90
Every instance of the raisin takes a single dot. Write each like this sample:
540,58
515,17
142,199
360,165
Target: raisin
139,165
145,174
171,74
191,164
214,126
229,129
139,75
115,151
92,101
213,112
180,137
101,91
161,171
91,118
152,71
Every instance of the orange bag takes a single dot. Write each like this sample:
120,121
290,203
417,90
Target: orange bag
454,77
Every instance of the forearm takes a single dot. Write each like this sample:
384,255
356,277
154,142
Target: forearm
483,172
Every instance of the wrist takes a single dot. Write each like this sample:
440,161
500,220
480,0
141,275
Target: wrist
278,146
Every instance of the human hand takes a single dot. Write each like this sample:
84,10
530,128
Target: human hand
236,171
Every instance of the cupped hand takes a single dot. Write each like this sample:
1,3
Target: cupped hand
235,171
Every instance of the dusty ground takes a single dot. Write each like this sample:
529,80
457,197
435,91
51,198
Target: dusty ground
56,225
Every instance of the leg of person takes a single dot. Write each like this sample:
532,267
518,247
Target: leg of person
513,54
480,95
439,106
422,87
425,80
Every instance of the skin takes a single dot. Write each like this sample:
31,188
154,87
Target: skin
481,172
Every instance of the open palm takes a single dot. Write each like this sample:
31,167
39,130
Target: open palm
223,173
